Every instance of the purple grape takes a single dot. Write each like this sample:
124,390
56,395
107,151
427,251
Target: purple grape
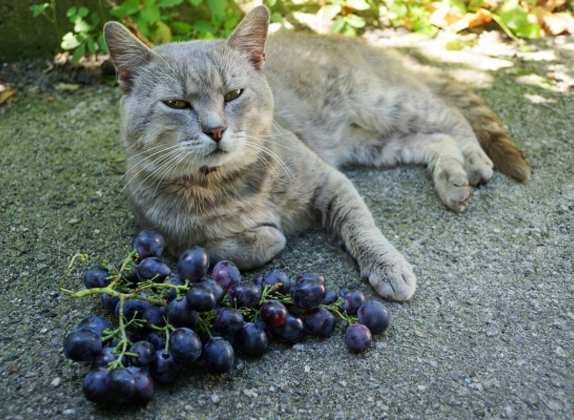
274,313
319,322
219,355
149,243
228,322
152,268
292,331
170,294
214,287
179,314
193,264
226,274
82,345
144,351
352,301
358,338
96,277
200,299
97,386
95,323
109,303
122,386
156,339
143,383
133,308
154,316
375,316
185,345
252,340
330,297
275,277
246,295
106,357
307,295
164,368
314,278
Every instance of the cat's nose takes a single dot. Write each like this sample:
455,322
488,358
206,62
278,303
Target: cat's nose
216,133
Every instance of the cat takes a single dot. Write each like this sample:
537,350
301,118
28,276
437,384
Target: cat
234,144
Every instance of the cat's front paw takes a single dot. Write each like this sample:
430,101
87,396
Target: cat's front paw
392,277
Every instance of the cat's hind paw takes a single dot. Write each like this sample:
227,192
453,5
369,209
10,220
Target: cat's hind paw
393,278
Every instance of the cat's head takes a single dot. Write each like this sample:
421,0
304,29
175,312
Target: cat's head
194,105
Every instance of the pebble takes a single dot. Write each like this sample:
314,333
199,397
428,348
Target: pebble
299,347
307,369
215,398
250,393
56,381
69,412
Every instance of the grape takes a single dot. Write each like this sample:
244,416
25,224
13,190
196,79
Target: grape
375,316
109,303
358,338
179,314
82,345
314,278
219,355
246,295
106,357
170,294
330,297
200,299
95,323
352,301
252,340
152,268
122,386
154,316
133,308
192,264
308,294
319,322
275,277
226,274
274,313
292,331
164,368
96,277
149,243
96,386
214,287
144,350
143,383
156,339
228,322
185,345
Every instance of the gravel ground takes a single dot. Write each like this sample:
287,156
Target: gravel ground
489,333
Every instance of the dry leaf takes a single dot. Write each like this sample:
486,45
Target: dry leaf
558,23
7,93
67,87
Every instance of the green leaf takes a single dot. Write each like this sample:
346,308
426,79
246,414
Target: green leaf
270,3
92,45
357,4
102,43
217,9
39,9
161,34
127,8
79,53
202,26
71,13
183,28
150,12
69,41
338,25
83,12
458,5
276,17
195,3
520,22
169,3
81,26
354,21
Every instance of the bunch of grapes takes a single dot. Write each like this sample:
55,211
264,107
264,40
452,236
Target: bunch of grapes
169,320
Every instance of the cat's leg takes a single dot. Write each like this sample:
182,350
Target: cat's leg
249,249
344,212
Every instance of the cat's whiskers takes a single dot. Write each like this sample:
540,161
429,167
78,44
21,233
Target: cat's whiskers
267,151
160,164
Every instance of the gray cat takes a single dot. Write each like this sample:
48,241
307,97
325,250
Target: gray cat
234,144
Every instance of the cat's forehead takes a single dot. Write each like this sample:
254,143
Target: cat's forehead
201,66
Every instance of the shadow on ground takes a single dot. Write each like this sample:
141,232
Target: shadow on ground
489,334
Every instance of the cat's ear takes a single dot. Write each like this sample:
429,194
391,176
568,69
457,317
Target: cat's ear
250,35
127,52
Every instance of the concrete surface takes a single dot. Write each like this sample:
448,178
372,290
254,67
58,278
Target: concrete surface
489,334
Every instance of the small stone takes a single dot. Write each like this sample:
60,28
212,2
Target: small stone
560,351
69,412
74,221
299,347
422,388
307,368
56,382
44,330
215,398
250,393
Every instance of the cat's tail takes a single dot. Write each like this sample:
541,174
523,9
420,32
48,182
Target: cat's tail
494,138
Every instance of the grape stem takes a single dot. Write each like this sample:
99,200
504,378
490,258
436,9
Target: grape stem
124,341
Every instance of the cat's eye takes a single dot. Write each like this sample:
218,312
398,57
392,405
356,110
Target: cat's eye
177,104
232,94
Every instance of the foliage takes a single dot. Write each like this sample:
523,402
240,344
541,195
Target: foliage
159,21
